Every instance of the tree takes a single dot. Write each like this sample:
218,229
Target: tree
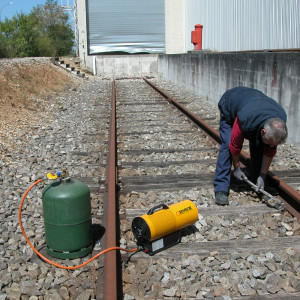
54,25
17,36
44,32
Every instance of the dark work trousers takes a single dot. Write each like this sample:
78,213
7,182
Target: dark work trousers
224,161
223,168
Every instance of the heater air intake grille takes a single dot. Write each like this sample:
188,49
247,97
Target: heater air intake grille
141,230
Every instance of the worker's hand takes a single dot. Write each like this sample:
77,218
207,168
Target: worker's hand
261,182
239,174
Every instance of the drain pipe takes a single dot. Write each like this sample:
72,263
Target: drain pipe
94,66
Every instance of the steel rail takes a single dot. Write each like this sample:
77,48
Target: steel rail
109,277
288,195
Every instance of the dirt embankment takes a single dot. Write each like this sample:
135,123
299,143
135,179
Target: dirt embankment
26,87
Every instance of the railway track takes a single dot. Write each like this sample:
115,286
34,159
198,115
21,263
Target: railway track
158,155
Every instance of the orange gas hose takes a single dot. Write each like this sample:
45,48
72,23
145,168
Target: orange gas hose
48,260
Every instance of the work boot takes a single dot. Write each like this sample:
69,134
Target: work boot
221,198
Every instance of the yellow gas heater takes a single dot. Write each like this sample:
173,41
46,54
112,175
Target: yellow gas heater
162,226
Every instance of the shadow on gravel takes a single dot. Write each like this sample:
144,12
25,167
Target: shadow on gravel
98,232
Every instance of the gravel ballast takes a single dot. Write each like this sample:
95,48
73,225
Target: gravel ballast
67,123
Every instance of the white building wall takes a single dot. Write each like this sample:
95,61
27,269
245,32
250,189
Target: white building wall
235,25
82,34
175,26
228,25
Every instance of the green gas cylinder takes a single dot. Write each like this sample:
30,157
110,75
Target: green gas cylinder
67,219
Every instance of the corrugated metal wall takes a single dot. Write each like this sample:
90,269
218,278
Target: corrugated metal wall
131,26
236,25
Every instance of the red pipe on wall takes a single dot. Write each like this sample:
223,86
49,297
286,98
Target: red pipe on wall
197,37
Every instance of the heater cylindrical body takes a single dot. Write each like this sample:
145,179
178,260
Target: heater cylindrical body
157,224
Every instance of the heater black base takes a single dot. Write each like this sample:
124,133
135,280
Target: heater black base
161,244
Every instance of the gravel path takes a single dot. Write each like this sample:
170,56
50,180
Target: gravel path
65,126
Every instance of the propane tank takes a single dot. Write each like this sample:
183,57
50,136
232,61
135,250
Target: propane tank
67,219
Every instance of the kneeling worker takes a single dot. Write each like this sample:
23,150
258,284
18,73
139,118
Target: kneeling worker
247,113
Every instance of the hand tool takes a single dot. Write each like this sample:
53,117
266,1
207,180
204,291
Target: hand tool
270,200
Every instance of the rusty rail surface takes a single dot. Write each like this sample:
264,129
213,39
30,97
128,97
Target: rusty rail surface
287,194
108,286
